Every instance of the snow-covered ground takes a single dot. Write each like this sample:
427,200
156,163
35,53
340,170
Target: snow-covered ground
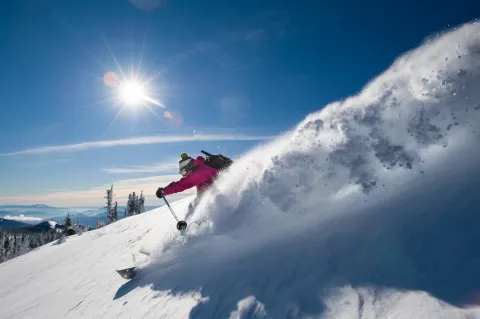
367,209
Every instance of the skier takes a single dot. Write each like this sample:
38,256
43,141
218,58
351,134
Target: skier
194,172
200,172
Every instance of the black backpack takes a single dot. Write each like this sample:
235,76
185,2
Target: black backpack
218,161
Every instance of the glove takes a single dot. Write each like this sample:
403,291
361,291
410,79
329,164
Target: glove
160,192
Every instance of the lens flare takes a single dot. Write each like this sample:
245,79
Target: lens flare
167,115
176,119
110,79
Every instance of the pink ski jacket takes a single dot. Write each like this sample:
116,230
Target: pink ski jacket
201,177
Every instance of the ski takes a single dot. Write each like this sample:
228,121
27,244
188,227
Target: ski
128,273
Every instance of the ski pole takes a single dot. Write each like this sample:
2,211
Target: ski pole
180,224
169,207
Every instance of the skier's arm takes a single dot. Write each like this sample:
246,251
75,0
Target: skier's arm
186,182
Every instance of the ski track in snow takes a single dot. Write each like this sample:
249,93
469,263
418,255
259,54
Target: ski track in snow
367,209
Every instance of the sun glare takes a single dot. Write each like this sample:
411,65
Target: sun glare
132,93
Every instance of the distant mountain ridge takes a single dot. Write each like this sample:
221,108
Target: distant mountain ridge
43,226
16,226
11,224
86,216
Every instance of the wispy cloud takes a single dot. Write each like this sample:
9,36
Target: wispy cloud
210,48
166,167
94,196
265,26
148,5
22,217
157,139
249,35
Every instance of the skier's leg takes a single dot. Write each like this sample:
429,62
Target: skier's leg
192,206
191,209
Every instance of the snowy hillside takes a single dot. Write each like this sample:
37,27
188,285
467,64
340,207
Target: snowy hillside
367,209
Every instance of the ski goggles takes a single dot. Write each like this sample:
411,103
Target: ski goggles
185,166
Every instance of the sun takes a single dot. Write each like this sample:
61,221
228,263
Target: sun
132,93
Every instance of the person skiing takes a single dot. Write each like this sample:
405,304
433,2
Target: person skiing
194,172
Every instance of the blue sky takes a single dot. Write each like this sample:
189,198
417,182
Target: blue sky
235,73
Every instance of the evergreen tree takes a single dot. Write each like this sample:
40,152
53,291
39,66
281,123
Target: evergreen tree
34,242
10,247
129,209
44,238
135,203
3,255
109,197
55,235
41,239
68,221
13,244
141,204
100,223
132,205
115,212
18,244
25,248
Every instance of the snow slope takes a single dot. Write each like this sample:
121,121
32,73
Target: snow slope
367,209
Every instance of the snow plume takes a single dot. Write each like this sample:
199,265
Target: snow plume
314,206
393,135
